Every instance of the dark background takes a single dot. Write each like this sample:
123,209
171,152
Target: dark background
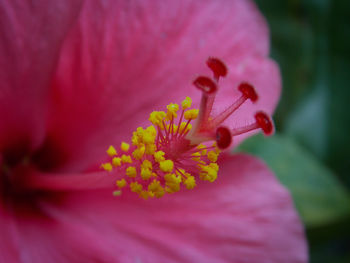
310,152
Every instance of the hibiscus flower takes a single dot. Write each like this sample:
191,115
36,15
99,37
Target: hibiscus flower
77,76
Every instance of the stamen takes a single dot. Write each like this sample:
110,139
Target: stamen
170,153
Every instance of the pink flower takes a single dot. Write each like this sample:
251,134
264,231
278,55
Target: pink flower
77,76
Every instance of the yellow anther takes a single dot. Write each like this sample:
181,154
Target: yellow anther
107,167
172,188
190,182
111,151
217,150
126,159
172,111
156,189
117,193
150,149
146,164
174,128
116,161
215,166
212,156
135,139
148,138
146,173
196,156
208,173
203,148
172,179
153,174
166,166
191,114
139,152
151,130
154,185
180,172
183,125
159,156
157,117
136,187
159,193
124,146
131,171
121,183
145,195
186,103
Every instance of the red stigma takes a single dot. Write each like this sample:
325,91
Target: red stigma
264,122
248,91
217,66
223,137
205,84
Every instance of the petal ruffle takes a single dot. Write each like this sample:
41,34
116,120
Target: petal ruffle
245,216
124,59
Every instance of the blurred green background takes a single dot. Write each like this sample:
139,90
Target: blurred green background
310,152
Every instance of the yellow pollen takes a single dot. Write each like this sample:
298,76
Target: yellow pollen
212,156
145,195
159,156
131,171
196,156
117,193
191,114
135,187
186,103
190,182
138,153
111,151
124,146
116,161
146,173
157,117
126,159
203,148
159,160
172,111
107,167
183,125
166,166
146,164
121,183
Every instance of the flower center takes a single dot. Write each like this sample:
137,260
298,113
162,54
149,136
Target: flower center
181,147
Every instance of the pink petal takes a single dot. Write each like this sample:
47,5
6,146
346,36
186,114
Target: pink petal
123,59
31,34
264,75
245,216
8,248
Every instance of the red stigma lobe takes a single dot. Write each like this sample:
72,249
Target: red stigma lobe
264,122
223,137
205,84
248,91
218,67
